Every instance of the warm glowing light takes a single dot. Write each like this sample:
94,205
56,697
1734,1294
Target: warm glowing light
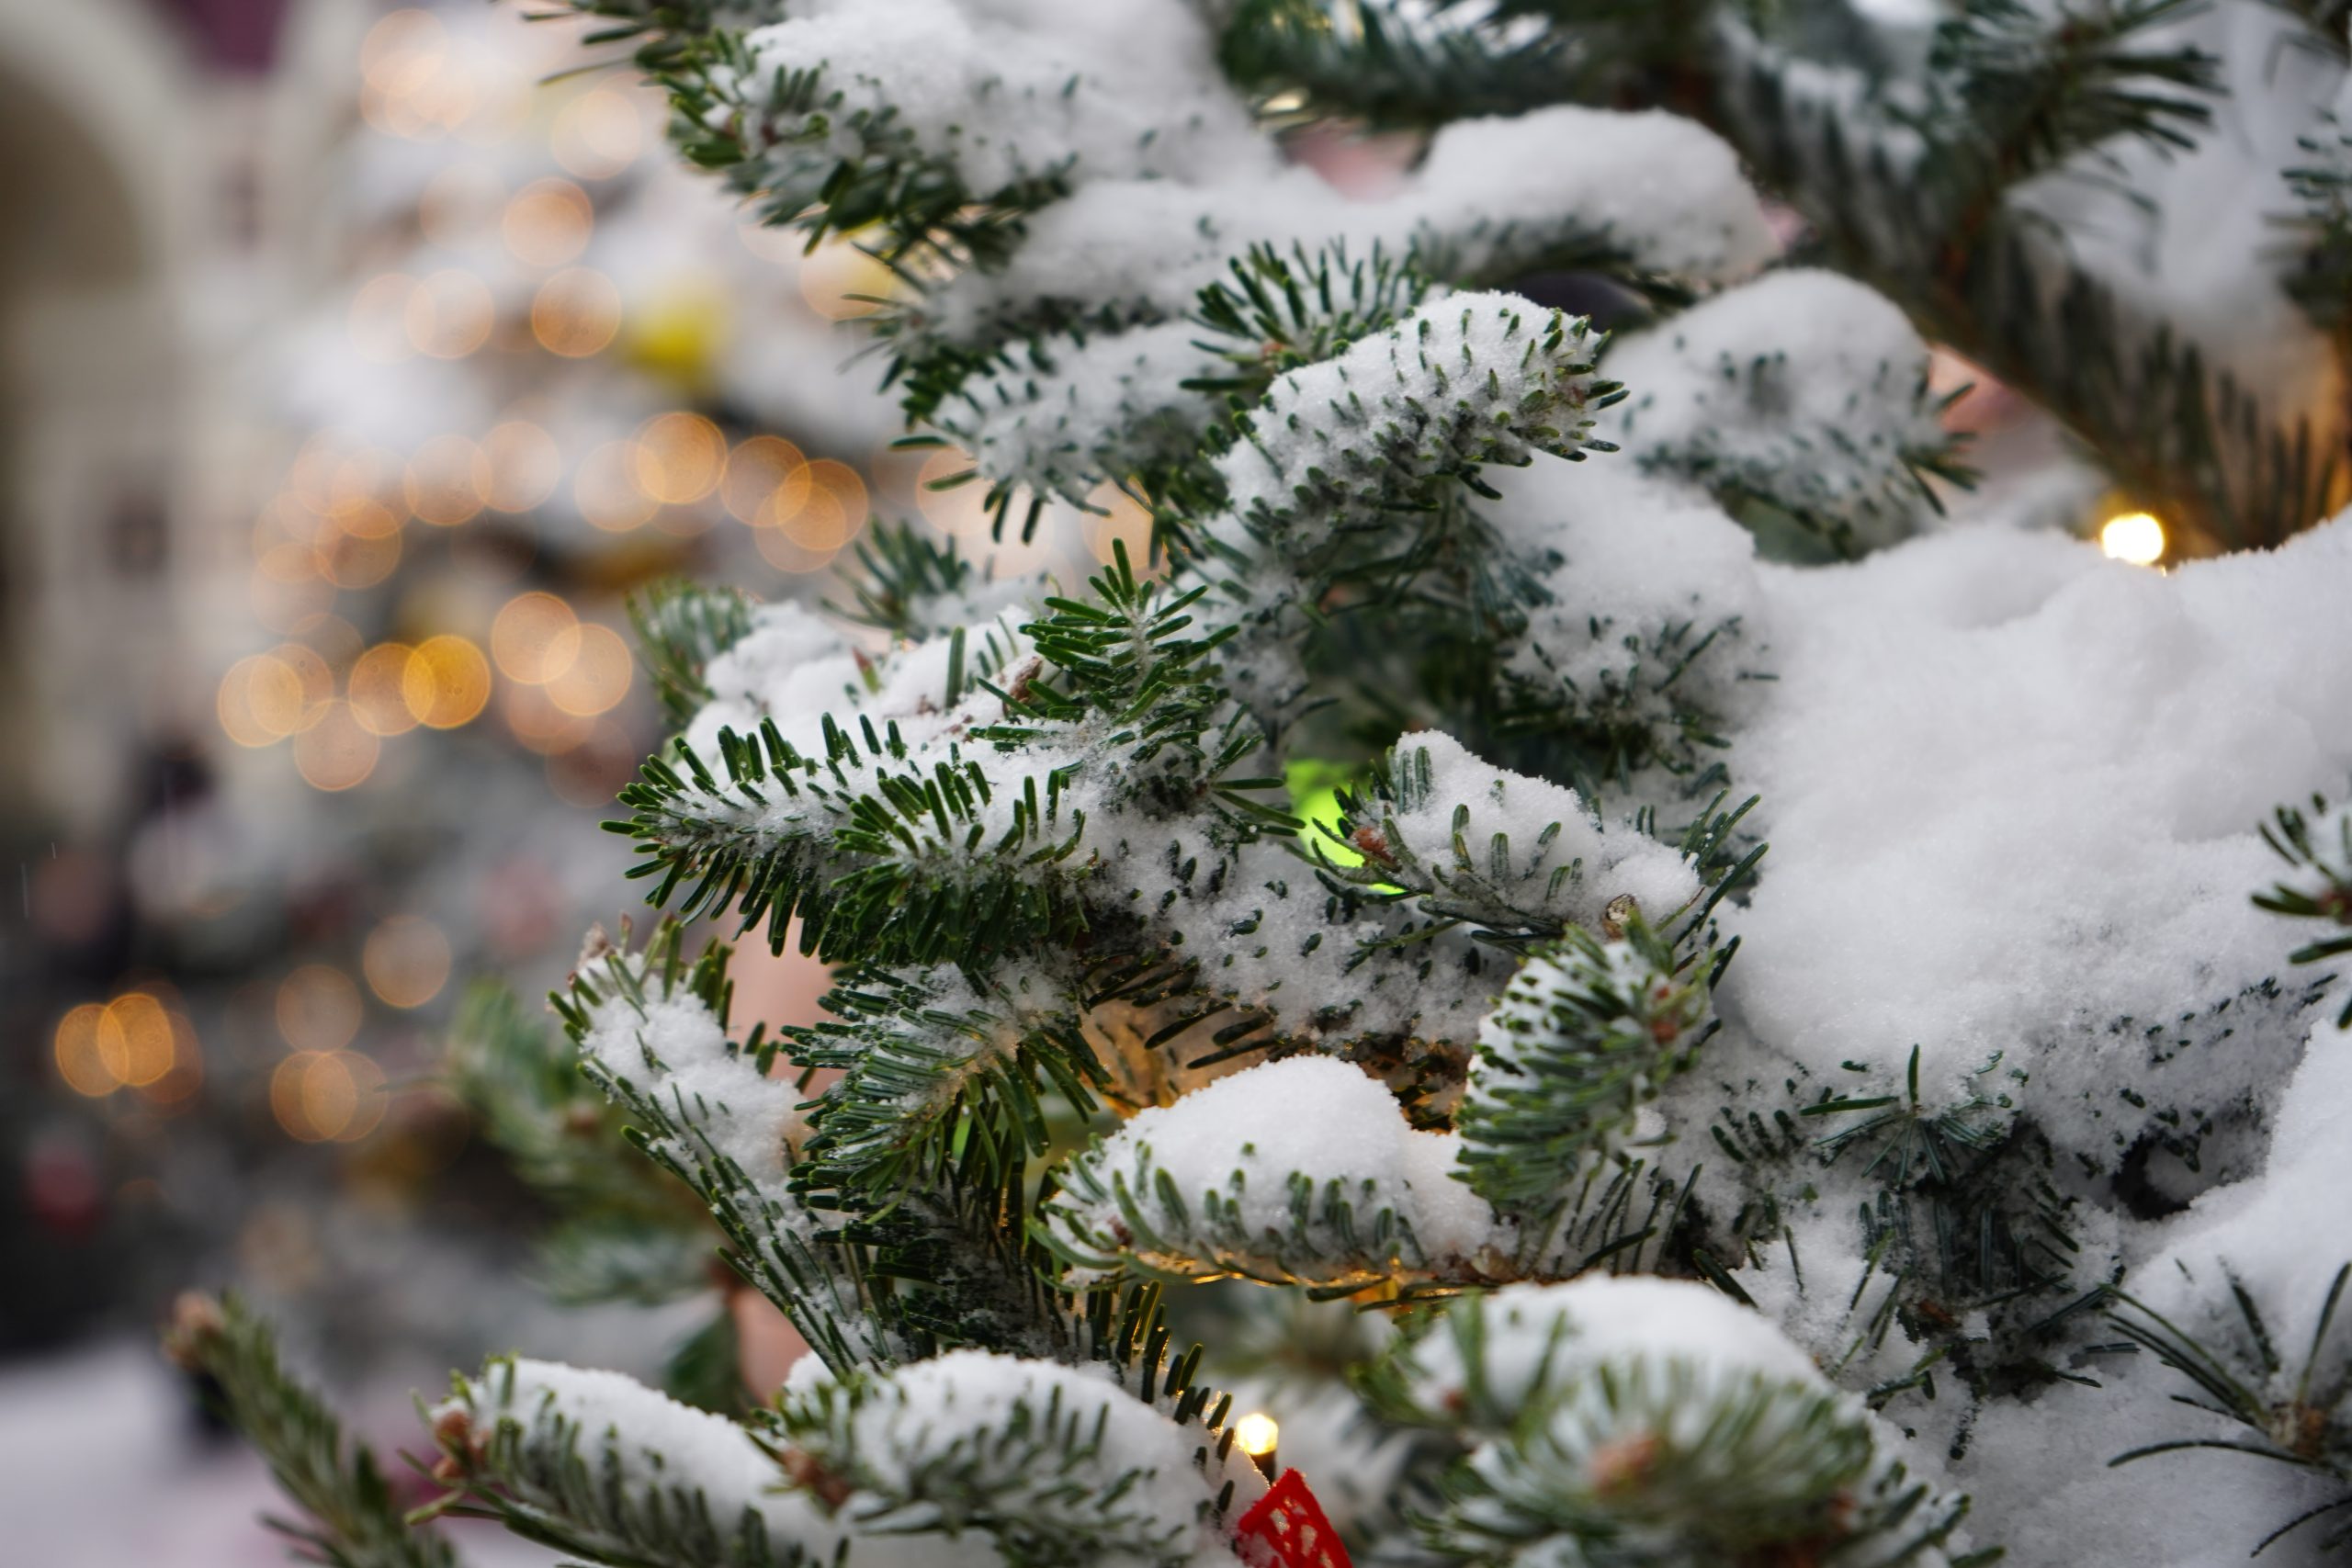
135,1039
767,480
446,681
261,701
841,281
680,458
596,677
2136,537
318,1009
597,134
606,489
547,222
449,314
446,480
1255,1434
186,1072
535,638
319,1096
958,511
835,511
1120,521
338,751
525,466
79,1061
406,960
576,313
378,318
378,689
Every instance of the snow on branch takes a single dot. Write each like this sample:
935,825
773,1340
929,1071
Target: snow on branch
1231,1179
1610,1411
1803,389
595,1463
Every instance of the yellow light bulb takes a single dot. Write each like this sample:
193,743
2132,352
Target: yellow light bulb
2134,537
1255,1434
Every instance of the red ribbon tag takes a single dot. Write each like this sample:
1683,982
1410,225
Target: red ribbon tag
1285,1528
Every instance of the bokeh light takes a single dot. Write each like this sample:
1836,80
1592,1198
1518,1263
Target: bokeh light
378,690
406,960
534,637
576,313
327,1096
598,134
446,681
547,222
596,677
449,314
336,752
680,459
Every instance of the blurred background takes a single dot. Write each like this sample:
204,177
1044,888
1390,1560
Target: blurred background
354,366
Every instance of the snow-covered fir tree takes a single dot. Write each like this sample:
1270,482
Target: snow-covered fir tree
1951,1179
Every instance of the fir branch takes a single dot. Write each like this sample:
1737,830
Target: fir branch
2318,846
924,1063
1056,1469
2321,276
1621,1453
522,1079
1459,383
905,575
352,1521
2300,1421
2017,89
1584,1033
1364,61
681,628
597,1466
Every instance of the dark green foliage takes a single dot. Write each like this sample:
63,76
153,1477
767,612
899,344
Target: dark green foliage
1041,1482
681,628
1360,61
2321,280
919,1073
913,868
2016,90
2241,1376
522,1080
2321,852
352,1519
549,1479
1908,1142
706,1370
1640,1461
1585,1034
1278,313
903,570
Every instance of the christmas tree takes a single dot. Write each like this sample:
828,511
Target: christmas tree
1358,893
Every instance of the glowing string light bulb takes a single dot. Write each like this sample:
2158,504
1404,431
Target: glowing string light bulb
1255,1435
2133,536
